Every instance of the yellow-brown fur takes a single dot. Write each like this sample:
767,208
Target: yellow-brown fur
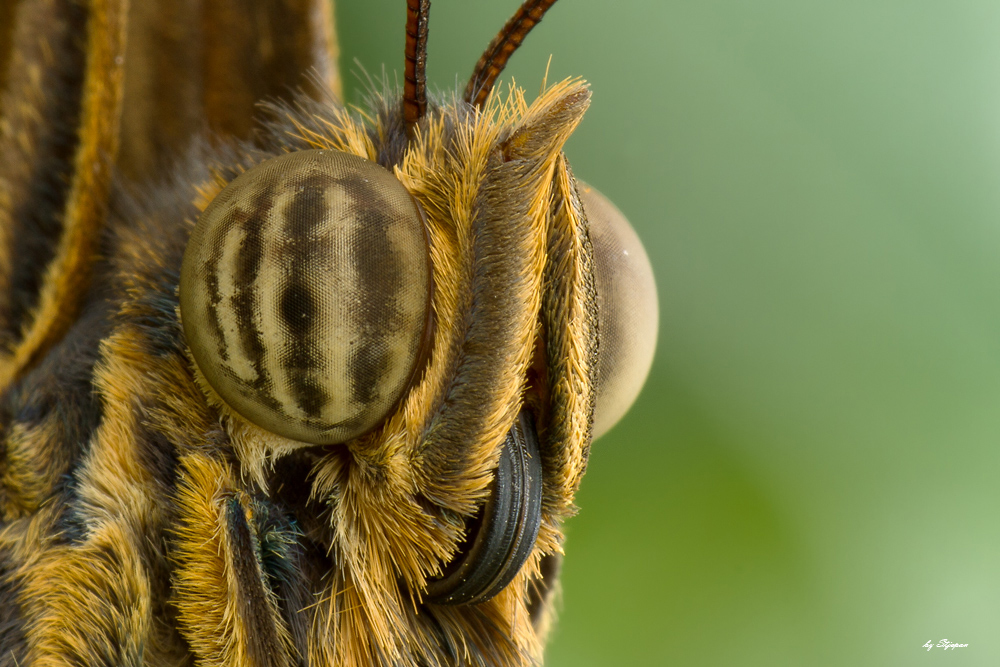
171,531
68,275
209,592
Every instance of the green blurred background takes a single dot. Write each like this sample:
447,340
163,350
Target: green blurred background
810,475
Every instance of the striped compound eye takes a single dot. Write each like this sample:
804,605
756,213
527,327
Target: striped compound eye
304,294
627,310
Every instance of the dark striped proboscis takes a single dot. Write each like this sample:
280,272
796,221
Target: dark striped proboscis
304,294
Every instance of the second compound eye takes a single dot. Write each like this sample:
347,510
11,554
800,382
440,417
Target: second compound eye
628,312
305,293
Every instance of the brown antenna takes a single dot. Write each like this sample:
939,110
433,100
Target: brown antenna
499,51
415,76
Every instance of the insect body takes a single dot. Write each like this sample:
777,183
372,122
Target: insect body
319,396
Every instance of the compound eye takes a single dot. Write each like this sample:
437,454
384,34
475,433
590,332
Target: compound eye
628,314
304,294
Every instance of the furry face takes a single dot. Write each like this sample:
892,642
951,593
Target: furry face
342,426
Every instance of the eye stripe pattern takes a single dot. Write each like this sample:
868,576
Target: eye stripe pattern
304,294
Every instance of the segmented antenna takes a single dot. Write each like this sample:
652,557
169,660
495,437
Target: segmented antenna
495,58
415,84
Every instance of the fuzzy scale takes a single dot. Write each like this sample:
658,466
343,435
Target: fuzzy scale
154,525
